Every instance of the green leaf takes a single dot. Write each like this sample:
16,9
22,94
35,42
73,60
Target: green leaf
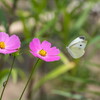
95,40
54,74
3,19
81,20
80,80
64,59
14,75
3,75
68,95
45,28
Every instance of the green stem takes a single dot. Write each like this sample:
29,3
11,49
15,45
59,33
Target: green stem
33,69
7,79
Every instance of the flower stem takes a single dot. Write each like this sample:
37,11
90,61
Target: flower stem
33,69
5,83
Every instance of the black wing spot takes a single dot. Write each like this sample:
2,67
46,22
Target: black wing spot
82,37
80,45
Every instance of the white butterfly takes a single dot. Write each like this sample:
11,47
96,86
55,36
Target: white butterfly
77,46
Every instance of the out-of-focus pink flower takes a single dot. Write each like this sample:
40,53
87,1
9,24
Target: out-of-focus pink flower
9,44
44,50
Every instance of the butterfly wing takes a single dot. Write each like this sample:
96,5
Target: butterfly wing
78,39
77,50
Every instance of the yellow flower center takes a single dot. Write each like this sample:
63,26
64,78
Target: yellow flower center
42,52
2,45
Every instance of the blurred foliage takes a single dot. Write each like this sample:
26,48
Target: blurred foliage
58,21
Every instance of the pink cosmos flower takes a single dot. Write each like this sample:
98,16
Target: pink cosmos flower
44,50
9,44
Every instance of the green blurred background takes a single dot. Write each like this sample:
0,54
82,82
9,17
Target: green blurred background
59,22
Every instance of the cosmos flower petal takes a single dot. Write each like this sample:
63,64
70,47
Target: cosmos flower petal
2,51
46,45
44,51
52,58
9,44
13,42
7,51
33,53
35,44
10,51
3,36
53,51
33,47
